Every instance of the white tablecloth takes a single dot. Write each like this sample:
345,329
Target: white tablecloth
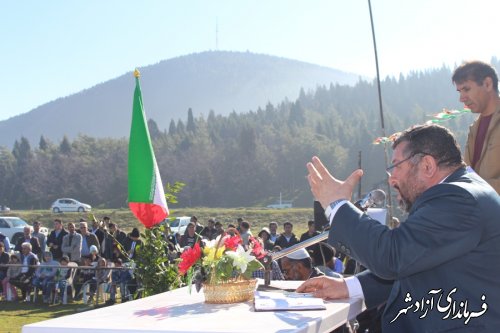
179,311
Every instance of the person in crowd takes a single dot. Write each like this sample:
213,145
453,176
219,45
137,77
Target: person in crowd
287,238
54,241
107,245
450,210
245,233
276,273
94,254
121,278
88,239
45,275
6,242
231,229
265,237
219,230
29,261
61,278
102,275
209,232
477,85
190,238
133,242
72,244
238,223
199,227
12,273
42,239
28,238
106,220
310,233
85,273
326,261
4,260
298,266
120,236
97,230
273,231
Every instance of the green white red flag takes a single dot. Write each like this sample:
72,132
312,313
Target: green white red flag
146,197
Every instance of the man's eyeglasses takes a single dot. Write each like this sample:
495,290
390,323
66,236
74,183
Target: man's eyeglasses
391,167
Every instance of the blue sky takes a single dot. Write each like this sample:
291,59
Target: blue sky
51,49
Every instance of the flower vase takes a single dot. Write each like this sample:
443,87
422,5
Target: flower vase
233,291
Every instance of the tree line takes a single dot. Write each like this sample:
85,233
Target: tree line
244,159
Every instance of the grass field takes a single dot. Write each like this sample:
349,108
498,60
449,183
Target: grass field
14,315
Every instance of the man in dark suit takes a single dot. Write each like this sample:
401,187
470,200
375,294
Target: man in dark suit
55,239
28,238
438,271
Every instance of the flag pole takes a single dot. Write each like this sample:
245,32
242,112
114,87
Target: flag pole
381,112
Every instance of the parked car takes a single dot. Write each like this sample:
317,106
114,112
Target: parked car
69,205
13,227
4,208
179,224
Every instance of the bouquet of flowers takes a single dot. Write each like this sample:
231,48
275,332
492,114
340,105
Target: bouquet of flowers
223,259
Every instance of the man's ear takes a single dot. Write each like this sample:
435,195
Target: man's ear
488,83
429,165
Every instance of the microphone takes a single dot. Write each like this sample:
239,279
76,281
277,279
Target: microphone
373,198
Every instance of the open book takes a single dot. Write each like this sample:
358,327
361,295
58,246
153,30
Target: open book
286,301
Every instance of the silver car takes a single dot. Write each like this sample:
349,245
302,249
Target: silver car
69,205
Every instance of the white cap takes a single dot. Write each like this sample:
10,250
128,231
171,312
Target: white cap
93,248
299,254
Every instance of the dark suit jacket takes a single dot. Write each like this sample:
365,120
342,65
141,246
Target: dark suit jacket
35,245
56,240
449,246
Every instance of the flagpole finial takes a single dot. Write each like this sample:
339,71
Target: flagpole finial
137,74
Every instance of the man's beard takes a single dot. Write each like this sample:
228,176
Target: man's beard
409,193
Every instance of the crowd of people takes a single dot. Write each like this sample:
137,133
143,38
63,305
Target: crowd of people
89,256
103,253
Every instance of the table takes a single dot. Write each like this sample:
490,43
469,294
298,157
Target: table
179,311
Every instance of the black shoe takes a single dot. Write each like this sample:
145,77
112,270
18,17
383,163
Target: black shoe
110,302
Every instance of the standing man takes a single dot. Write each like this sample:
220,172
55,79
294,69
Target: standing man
477,84
287,238
446,253
273,231
42,239
55,239
97,230
72,244
28,238
88,239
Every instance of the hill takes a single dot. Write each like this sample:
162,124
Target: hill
220,81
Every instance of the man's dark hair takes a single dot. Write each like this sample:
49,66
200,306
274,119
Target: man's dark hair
310,223
476,71
288,223
112,225
434,140
245,225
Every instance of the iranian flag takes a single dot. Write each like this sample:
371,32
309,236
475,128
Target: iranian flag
146,197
